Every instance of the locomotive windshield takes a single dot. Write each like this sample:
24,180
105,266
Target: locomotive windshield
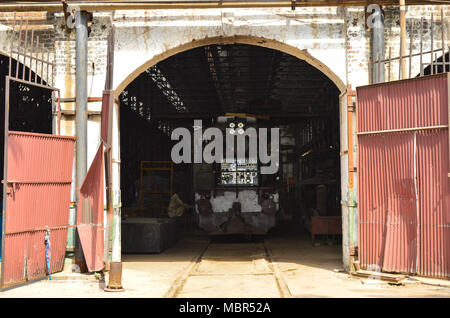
239,173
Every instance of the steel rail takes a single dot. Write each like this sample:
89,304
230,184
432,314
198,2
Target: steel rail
39,182
378,132
406,56
13,132
15,79
283,288
178,284
39,229
181,279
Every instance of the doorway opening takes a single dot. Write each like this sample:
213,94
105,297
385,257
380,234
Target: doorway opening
233,86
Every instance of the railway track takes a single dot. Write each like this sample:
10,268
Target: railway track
199,261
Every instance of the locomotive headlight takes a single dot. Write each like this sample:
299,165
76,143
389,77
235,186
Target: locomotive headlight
232,131
240,131
232,125
240,125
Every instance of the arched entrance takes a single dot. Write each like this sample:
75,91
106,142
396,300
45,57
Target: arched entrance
212,80
250,40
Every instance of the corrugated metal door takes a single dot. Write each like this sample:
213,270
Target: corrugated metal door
403,175
90,214
37,194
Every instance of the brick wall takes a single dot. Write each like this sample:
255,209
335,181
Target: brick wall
54,36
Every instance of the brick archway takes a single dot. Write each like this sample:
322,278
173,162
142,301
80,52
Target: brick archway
120,82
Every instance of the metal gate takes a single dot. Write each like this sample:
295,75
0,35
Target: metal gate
37,174
403,176
38,178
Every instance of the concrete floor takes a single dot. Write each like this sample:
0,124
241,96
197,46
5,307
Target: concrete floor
232,270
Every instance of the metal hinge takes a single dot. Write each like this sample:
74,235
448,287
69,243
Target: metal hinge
11,184
352,107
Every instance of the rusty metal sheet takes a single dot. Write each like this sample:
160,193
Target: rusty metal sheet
387,204
108,95
419,102
90,214
434,203
13,259
38,175
403,165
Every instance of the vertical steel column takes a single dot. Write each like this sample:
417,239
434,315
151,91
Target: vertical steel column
352,213
112,155
115,273
81,23
343,112
377,38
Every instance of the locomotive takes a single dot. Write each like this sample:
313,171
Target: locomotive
232,197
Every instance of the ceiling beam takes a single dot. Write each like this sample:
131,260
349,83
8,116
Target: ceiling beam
104,5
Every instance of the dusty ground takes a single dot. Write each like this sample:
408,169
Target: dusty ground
232,270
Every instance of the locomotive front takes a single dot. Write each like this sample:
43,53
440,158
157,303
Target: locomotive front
233,196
